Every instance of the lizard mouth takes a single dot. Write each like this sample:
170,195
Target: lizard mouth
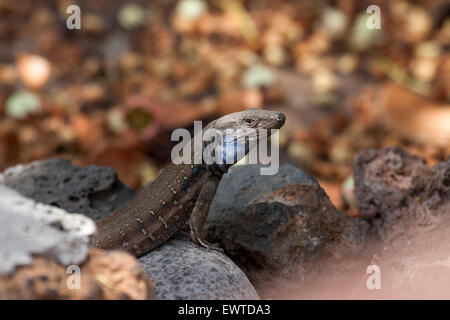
279,120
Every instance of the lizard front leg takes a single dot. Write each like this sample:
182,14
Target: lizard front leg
200,213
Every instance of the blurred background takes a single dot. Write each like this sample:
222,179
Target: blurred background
112,92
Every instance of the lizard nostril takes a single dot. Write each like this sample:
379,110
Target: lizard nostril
280,117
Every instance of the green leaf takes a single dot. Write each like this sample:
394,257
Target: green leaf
22,103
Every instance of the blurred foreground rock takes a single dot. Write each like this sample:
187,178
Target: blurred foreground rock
41,246
282,230
94,191
407,204
184,270
104,275
399,194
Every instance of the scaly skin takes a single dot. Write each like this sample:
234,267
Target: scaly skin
178,192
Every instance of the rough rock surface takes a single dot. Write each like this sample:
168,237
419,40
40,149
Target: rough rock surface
105,275
281,227
399,194
29,228
408,205
94,191
183,270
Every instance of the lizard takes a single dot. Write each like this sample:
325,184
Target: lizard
179,192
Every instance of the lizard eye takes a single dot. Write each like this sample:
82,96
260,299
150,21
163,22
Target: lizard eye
249,121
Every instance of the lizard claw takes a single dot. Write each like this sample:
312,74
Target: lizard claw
210,246
215,247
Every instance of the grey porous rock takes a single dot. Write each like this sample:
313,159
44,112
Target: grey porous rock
281,229
42,246
407,203
181,269
92,190
30,228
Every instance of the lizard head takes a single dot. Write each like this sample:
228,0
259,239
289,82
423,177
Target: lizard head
250,120
240,129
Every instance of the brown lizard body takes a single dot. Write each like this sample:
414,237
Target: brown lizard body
177,193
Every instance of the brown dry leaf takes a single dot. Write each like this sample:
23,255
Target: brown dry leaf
210,24
238,100
183,114
88,130
125,159
274,95
196,83
413,116
333,191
